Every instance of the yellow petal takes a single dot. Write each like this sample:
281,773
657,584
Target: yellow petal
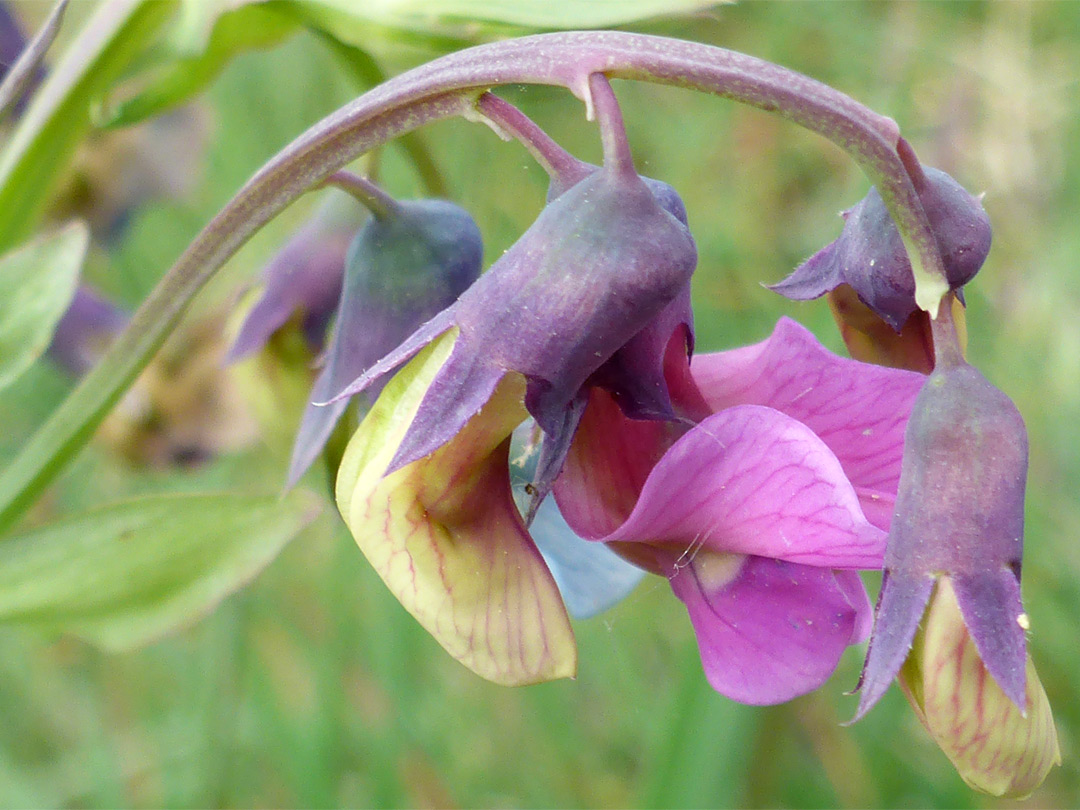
445,536
993,746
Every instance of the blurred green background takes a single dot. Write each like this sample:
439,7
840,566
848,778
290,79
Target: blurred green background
312,686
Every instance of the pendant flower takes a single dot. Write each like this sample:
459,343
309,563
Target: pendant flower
302,281
410,260
869,254
956,542
424,485
759,513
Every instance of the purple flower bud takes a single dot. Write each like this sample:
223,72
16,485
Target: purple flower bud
303,279
959,515
600,262
870,256
403,268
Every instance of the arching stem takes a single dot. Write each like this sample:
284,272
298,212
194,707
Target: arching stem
446,87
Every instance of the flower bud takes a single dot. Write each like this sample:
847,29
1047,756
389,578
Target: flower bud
403,268
870,256
958,533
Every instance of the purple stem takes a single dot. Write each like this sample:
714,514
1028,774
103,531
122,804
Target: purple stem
602,103
947,351
378,202
563,168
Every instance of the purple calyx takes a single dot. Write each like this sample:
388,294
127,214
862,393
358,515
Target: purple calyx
870,256
959,514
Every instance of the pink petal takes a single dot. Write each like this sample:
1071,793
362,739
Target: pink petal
852,585
611,454
859,410
607,465
768,630
750,480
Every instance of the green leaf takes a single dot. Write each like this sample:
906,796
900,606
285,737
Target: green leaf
530,13
39,148
459,18
131,572
198,56
37,282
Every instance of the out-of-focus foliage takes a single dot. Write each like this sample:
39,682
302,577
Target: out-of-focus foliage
313,687
126,574
37,282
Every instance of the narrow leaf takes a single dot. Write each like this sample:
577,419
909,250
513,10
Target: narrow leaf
440,16
41,145
131,572
37,282
249,27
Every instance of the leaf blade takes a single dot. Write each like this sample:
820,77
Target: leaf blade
37,283
126,574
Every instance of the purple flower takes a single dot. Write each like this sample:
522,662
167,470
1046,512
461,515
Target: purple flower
870,256
960,515
302,281
85,331
408,262
949,621
569,306
759,513
424,485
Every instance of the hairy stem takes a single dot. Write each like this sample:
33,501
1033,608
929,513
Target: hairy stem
446,87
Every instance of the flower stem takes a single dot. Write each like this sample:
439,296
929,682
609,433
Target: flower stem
605,106
447,87
911,164
947,350
563,168
378,202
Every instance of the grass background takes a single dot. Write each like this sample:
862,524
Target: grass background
312,687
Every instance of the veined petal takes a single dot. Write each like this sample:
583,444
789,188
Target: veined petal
609,460
993,745
445,536
768,630
750,480
859,410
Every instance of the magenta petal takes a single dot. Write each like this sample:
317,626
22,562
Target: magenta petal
750,480
609,460
768,630
852,585
859,410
